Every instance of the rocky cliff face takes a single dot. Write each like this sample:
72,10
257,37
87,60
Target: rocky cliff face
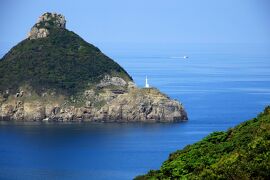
54,75
111,100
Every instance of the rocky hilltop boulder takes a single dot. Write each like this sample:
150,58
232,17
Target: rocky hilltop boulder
54,75
44,23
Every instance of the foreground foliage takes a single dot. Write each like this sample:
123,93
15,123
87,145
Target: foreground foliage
240,153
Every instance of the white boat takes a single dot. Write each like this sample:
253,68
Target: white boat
179,57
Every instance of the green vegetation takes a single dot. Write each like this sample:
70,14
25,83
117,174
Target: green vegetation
240,153
62,61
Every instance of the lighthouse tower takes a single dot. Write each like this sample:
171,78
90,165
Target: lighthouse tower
146,83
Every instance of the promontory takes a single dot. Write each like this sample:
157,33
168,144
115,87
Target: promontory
54,75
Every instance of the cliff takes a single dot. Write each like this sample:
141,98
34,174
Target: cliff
242,152
54,75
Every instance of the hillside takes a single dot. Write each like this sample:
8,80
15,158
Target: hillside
53,57
242,152
54,75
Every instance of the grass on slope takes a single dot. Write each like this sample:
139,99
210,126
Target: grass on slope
242,152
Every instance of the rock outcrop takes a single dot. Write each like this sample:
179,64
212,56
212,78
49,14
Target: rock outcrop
114,101
115,81
46,22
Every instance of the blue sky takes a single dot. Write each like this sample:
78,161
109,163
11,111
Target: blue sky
144,21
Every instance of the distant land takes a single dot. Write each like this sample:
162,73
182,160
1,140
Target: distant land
54,75
242,152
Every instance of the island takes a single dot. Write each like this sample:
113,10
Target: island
54,75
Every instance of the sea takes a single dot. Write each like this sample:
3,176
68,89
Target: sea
220,86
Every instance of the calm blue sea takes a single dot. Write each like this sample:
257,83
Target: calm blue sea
220,86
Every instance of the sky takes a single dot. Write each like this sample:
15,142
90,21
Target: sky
144,21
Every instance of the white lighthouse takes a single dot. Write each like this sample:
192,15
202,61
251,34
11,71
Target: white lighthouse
146,83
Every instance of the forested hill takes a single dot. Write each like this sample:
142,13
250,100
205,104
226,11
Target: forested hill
242,152
55,58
